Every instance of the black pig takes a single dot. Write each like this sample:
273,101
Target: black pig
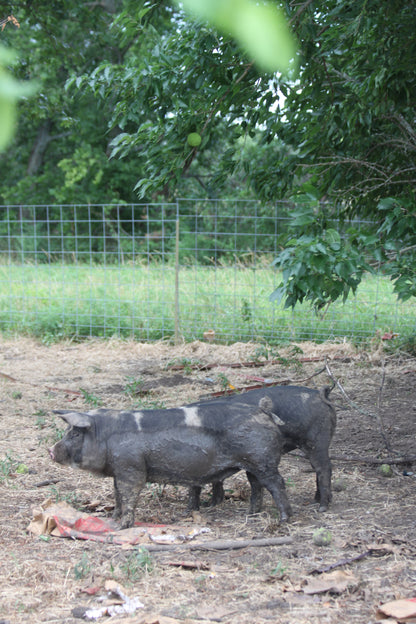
192,445
307,421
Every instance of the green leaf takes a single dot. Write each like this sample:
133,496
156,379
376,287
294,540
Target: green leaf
278,295
260,28
7,118
387,203
10,91
333,239
302,219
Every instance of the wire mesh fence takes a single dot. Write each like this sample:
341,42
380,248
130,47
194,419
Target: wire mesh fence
157,271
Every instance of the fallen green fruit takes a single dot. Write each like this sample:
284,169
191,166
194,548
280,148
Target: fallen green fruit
386,470
322,537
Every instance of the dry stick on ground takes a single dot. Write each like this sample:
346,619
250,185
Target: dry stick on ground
379,417
359,409
35,385
402,459
221,544
253,363
405,459
349,561
263,384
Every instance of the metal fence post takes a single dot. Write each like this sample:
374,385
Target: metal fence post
177,321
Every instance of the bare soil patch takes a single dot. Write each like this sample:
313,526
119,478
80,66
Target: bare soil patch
371,515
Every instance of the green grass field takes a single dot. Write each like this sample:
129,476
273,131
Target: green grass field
54,301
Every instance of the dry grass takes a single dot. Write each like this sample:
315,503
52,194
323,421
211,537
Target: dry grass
40,582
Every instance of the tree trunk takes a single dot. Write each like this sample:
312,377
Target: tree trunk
39,149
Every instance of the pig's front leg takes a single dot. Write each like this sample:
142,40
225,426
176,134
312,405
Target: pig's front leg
117,498
276,486
127,489
194,493
217,493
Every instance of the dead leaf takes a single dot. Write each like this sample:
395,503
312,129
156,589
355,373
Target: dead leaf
213,614
334,582
382,549
156,618
189,565
112,586
401,610
209,335
94,504
196,517
91,591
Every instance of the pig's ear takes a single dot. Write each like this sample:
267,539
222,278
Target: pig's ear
75,419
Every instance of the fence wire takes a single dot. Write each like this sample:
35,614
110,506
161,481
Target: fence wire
157,271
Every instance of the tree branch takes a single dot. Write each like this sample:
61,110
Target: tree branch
300,10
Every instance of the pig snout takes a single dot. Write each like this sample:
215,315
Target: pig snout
51,453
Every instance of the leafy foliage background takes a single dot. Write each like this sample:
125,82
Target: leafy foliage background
123,83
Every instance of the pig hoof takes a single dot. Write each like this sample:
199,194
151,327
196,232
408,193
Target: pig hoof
285,515
126,521
254,510
323,508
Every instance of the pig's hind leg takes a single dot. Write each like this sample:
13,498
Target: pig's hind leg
256,498
321,463
194,494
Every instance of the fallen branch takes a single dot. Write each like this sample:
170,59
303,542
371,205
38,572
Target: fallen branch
362,411
403,459
379,417
340,563
266,384
377,550
46,482
34,385
221,544
255,363
345,395
409,459
263,384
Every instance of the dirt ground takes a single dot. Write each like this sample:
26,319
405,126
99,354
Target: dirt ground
371,523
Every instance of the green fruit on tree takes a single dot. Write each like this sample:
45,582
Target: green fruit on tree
194,139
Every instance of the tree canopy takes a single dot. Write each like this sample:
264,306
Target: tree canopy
126,82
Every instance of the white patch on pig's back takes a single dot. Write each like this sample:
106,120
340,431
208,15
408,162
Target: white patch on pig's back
138,418
192,418
305,397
